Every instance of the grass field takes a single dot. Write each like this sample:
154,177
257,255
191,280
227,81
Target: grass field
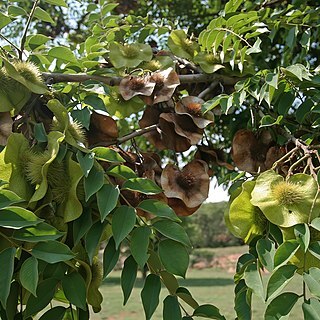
207,286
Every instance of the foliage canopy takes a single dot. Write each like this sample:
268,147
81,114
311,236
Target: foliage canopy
111,127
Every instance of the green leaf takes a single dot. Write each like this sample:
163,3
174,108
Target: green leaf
208,311
7,265
186,296
40,132
52,252
279,279
60,3
92,239
232,6
150,294
122,172
242,302
43,16
107,199
56,313
311,309
128,277
171,308
139,245
17,218
62,53
174,257
123,221
96,103
172,230
29,275
143,185
4,20
253,280
268,121
159,209
281,306
314,249
74,289
107,154
110,257
272,79
312,279
266,251
37,41
303,110
40,232
302,233
170,281
82,225
86,162
285,251
255,48
285,102
7,198
93,182
45,292
315,223
72,206
12,301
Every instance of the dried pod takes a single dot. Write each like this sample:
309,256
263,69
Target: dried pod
191,184
183,126
191,106
102,129
180,208
213,156
248,153
132,86
166,82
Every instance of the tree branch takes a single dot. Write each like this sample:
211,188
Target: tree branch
114,81
138,132
24,36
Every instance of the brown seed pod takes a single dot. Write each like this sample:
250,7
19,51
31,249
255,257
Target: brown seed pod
191,184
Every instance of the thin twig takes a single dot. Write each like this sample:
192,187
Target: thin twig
290,171
287,155
11,43
138,132
24,36
209,89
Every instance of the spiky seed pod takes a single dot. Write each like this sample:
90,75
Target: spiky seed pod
77,132
33,162
288,193
74,129
59,181
28,70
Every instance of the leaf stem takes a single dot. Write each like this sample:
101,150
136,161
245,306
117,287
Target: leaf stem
24,36
235,34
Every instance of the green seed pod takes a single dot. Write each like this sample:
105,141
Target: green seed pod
95,297
28,70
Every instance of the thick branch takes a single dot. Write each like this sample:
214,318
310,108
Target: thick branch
114,81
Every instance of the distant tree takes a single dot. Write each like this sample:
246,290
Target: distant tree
207,228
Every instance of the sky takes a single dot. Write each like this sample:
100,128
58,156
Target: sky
216,193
